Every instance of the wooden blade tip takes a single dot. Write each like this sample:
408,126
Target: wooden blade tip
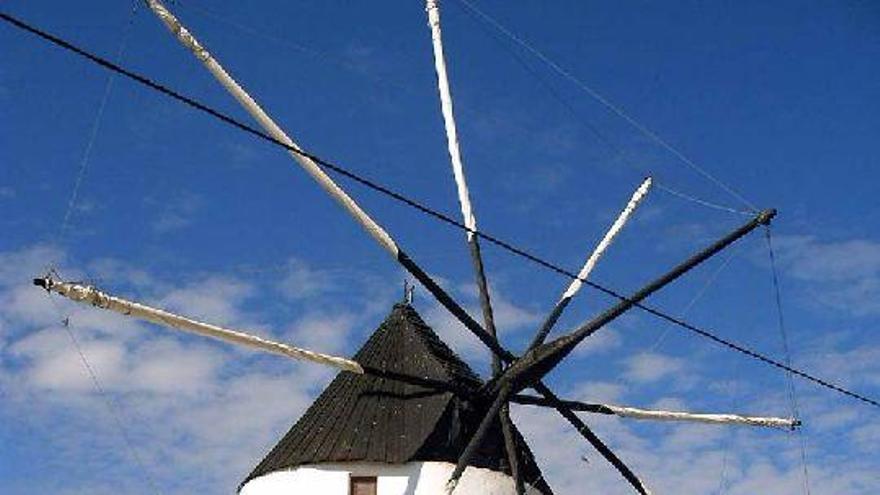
766,216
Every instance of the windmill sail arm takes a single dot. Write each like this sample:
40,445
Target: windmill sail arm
90,295
464,200
711,418
188,40
470,223
591,262
660,415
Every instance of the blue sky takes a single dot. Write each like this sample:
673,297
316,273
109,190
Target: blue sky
780,101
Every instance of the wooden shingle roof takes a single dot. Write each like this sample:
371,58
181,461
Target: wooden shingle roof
368,418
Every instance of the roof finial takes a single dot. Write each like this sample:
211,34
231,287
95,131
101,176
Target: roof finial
408,290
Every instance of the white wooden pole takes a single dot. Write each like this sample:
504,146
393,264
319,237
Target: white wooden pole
653,414
597,253
470,222
464,199
189,41
91,295
606,241
720,419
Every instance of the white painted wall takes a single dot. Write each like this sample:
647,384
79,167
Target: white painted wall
415,478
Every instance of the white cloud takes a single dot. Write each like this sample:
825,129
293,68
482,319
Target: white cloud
606,339
108,269
866,436
26,304
844,275
808,258
176,213
19,267
301,281
598,391
218,299
650,367
456,335
194,369
323,332
510,318
202,414
54,366
854,365
833,419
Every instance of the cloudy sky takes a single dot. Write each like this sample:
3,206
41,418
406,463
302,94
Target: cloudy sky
779,102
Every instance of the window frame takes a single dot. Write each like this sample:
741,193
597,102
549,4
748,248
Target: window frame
354,479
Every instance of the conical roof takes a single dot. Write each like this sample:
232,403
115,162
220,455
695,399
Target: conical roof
374,418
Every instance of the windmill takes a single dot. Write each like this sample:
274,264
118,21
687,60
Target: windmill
465,421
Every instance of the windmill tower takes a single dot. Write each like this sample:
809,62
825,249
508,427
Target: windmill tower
406,415
368,434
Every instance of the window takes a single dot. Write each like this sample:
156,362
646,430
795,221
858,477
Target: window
362,485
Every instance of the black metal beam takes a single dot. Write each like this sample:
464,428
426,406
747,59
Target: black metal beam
536,363
549,322
477,438
489,325
574,405
591,437
512,448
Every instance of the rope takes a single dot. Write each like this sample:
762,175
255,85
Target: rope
699,295
320,55
115,409
96,125
724,482
617,151
522,253
792,392
644,130
699,201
